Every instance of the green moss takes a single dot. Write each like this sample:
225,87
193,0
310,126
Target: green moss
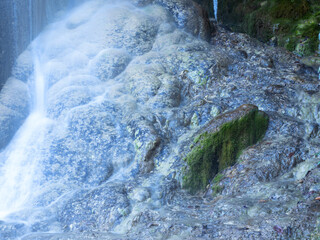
217,151
292,9
290,43
293,22
216,188
217,178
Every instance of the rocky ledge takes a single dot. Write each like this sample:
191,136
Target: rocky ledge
221,142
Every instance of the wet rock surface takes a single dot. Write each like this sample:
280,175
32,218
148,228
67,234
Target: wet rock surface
14,104
115,146
99,209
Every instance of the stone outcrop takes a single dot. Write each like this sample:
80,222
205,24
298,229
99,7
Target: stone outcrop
220,143
289,24
187,14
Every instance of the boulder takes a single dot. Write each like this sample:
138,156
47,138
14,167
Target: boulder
220,142
14,108
188,14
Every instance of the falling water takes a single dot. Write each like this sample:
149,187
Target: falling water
60,54
74,138
15,26
20,173
40,88
30,21
215,9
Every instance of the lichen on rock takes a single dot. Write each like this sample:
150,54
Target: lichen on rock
221,142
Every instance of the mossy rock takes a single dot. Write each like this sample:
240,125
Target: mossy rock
216,188
295,23
290,9
221,143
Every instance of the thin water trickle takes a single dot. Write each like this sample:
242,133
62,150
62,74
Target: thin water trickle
30,21
40,87
215,9
15,26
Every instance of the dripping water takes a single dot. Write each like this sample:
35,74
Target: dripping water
30,21
215,9
15,26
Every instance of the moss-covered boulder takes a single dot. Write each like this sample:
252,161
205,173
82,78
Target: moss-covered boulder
295,23
221,142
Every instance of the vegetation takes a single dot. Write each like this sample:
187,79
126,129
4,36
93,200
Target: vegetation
216,188
216,151
295,23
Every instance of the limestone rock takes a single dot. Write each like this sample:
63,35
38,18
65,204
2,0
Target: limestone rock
100,209
190,16
14,108
220,143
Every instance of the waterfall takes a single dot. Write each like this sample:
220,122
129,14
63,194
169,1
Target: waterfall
215,9
20,175
20,162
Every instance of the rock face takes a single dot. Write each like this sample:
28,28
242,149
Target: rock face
103,208
128,90
221,142
290,24
188,15
14,105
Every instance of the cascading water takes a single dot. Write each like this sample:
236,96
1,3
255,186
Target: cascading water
20,173
53,154
91,127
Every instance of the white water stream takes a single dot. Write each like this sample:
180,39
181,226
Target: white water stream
215,9
20,175
83,73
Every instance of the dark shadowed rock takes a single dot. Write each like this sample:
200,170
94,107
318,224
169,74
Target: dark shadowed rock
188,14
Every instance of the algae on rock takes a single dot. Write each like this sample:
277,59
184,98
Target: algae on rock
218,147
